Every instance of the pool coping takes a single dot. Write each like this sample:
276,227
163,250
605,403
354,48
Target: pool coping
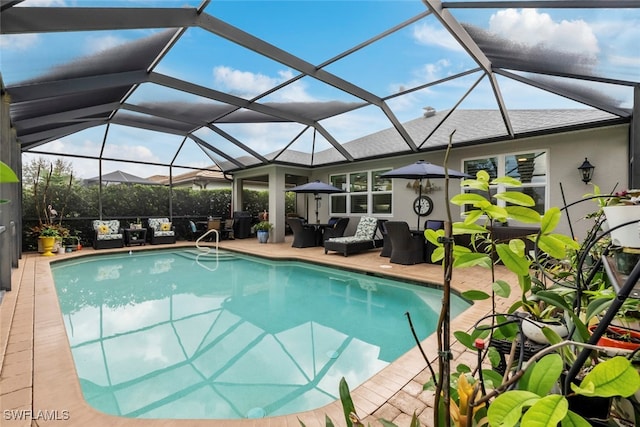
56,391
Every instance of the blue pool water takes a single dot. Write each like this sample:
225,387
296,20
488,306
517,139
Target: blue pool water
177,334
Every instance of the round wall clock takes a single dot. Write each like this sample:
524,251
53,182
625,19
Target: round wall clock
423,205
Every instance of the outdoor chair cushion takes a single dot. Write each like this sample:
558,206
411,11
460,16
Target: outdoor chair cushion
363,239
161,227
107,230
107,234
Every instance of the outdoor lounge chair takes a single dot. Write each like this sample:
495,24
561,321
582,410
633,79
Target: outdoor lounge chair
161,231
364,239
406,248
304,236
107,234
337,230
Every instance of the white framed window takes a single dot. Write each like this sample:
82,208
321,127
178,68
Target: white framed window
530,168
367,193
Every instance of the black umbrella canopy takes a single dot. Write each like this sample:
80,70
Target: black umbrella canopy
422,170
316,187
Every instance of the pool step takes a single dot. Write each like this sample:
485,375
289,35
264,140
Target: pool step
213,256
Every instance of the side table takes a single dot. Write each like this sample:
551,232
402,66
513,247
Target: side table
135,236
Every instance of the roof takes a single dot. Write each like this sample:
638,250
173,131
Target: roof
196,82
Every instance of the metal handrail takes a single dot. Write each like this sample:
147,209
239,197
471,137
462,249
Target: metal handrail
208,249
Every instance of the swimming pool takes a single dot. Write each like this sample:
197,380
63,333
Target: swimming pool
175,334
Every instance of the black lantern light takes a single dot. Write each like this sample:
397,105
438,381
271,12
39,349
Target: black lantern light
586,171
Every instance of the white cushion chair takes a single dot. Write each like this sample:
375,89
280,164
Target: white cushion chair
107,234
365,238
161,231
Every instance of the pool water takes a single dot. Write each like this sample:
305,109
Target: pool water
178,334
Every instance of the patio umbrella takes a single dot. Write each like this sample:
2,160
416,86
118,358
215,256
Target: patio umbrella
422,170
315,188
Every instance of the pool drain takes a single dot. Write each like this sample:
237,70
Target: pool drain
256,413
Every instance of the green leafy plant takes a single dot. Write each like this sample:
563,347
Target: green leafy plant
6,176
263,226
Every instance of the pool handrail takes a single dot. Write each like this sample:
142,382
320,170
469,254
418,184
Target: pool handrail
207,249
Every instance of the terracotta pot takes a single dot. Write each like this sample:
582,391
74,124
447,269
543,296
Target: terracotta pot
613,342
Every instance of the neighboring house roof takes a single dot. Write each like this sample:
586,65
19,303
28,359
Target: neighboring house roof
120,177
200,177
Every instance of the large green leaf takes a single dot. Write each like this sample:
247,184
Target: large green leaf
597,306
574,420
467,199
506,409
6,174
501,288
472,259
517,246
347,404
523,214
544,375
546,412
611,377
552,246
508,181
462,228
498,213
516,198
566,240
472,216
432,236
475,184
550,220
474,295
554,299
517,264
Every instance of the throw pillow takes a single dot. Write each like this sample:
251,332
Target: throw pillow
165,226
103,229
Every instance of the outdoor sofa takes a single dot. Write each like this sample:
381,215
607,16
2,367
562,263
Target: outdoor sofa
364,239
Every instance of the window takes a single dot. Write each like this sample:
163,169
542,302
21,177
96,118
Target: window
529,168
368,193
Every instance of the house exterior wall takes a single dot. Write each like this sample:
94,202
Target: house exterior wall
606,148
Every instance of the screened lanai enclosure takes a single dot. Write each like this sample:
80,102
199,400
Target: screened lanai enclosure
164,87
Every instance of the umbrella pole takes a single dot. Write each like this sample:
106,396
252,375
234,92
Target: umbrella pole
419,196
315,195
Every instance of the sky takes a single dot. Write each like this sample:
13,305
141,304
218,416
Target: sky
604,42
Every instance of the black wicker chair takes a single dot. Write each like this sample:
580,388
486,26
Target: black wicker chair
304,236
407,248
337,230
386,240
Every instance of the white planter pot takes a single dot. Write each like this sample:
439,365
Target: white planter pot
629,235
532,329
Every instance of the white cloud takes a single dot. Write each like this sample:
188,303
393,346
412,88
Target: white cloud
248,84
435,36
533,28
98,44
18,41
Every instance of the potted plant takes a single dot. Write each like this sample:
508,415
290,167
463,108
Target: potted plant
48,236
262,231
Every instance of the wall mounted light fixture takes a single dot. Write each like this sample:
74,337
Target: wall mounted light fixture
586,171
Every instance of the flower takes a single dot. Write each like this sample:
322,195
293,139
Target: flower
625,197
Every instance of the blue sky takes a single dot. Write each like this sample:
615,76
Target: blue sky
317,31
